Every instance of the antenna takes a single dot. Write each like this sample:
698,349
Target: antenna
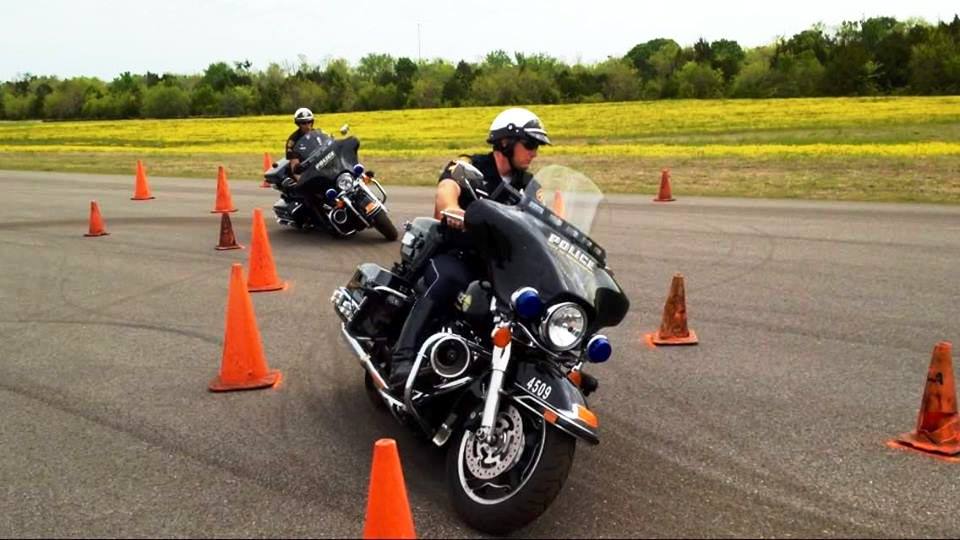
419,56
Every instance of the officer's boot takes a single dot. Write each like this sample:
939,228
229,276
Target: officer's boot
410,340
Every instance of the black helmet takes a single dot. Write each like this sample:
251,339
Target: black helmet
517,123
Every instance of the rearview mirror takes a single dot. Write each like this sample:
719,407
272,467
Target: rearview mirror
344,129
466,171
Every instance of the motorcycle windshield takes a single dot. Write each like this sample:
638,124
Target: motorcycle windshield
543,242
330,157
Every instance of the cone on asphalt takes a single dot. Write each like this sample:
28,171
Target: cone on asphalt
665,194
559,206
263,272
224,201
938,426
141,190
243,365
97,227
227,239
388,510
267,165
673,327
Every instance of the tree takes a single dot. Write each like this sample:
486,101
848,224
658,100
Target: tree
699,81
166,101
640,55
935,64
456,89
728,57
621,81
430,83
66,101
269,85
238,101
220,76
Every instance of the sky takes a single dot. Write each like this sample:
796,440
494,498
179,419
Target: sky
103,38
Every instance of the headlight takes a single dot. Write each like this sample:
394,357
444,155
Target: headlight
564,326
344,181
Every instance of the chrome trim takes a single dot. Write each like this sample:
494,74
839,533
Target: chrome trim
491,402
384,288
408,387
466,347
336,227
348,204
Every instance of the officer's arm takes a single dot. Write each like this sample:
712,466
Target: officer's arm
448,194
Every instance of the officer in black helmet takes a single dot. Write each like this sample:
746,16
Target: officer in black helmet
515,135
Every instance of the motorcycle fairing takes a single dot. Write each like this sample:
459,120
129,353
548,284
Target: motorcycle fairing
516,245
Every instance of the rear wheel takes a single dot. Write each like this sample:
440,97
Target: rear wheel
500,487
381,221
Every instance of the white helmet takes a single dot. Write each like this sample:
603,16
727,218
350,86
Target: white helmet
517,123
302,116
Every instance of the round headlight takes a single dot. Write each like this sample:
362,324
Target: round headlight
564,326
344,181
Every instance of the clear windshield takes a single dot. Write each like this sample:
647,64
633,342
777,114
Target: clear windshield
571,195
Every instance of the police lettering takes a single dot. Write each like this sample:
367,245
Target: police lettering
326,159
571,251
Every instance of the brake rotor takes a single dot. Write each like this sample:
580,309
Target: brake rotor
485,460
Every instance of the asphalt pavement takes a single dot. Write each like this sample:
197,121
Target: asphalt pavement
816,324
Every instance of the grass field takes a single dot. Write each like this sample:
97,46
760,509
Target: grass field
891,149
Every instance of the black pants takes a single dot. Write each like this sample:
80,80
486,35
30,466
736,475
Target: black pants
444,276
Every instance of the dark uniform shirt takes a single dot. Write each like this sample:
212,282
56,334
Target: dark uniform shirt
292,145
486,164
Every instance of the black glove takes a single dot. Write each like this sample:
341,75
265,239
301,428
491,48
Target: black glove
289,182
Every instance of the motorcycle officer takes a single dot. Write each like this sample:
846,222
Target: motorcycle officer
303,118
515,135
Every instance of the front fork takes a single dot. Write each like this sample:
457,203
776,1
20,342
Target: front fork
491,404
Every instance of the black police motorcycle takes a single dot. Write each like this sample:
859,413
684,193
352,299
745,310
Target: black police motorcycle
335,191
499,381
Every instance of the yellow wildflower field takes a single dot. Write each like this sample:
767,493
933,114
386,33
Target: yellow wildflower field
816,127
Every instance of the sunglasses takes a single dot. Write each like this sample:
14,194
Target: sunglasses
530,145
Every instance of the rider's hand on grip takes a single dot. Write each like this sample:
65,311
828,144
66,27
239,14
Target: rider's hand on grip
453,218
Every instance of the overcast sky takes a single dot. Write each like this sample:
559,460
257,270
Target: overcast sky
103,38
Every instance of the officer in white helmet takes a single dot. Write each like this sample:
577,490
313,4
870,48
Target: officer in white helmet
303,118
514,135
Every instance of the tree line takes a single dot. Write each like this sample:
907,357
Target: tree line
873,56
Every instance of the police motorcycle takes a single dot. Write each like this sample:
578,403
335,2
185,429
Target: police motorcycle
344,197
499,381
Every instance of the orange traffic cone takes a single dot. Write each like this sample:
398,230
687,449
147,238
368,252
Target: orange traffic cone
267,165
227,238
559,206
141,191
224,202
263,273
388,510
673,326
96,221
664,195
938,427
243,366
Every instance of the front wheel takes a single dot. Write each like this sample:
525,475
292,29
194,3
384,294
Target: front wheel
500,487
382,223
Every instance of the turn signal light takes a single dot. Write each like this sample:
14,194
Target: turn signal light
502,336
587,416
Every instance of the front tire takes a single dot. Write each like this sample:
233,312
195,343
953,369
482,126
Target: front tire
516,481
382,223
